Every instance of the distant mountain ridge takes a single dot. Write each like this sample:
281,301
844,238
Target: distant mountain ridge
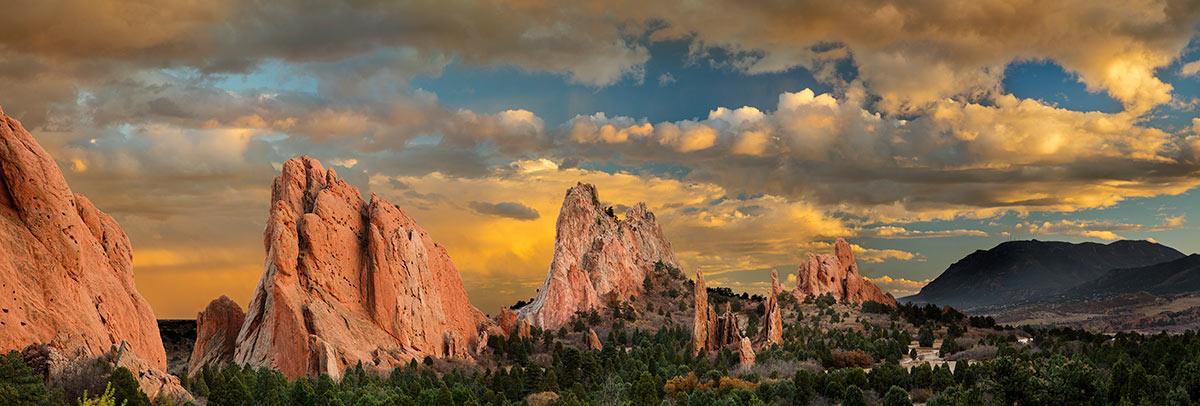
1022,270
1178,276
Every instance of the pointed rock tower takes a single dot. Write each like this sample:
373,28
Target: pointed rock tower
65,267
837,274
596,258
349,281
772,329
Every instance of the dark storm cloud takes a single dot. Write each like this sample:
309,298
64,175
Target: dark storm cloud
514,210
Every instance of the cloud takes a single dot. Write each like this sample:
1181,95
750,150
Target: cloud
513,210
896,232
899,287
961,159
1101,229
665,79
1190,68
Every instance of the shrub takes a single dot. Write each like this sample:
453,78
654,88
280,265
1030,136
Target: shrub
853,397
20,384
856,358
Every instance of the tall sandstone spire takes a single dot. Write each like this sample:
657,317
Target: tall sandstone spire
349,281
65,267
596,258
837,274
772,329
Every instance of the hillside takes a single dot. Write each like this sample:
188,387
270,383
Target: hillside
1178,276
1022,270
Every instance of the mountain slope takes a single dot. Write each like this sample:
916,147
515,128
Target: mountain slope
1019,270
1178,276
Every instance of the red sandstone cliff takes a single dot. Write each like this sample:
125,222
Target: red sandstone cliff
216,334
65,267
596,258
347,280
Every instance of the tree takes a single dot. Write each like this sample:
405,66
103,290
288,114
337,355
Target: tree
125,388
20,384
644,391
648,283
925,336
896,396
854,397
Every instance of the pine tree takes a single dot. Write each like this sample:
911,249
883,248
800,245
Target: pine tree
126,389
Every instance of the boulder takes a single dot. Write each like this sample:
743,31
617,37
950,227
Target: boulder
837,274
349,281
216,334
65,266
772,329
511,324
596,258
66,361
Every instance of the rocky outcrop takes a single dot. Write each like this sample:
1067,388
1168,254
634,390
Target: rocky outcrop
710,332
593,340
508,321
772,329
65,361
65,266
596,258
745,354
837,274
216,334
348,281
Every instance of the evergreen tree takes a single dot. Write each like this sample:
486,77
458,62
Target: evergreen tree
896,396
126,389
853,397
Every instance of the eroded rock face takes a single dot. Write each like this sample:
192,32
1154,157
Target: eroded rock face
347,281
216,334
596,258
710,332
508,321
593,340
745,354
837,274
772,329
64,265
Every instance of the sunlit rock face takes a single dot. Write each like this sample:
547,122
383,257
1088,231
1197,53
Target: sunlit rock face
350,281
216,334
837,274
709,331
65,267
772,329
596,258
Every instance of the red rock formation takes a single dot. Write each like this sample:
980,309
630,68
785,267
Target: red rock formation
216,334
745,354
593,340
596,258
510,324
349,281
65,267
837,274
709,332
772,329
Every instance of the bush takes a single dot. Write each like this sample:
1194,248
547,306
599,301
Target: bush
108,398
856,358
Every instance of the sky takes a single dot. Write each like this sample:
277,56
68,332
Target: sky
758,132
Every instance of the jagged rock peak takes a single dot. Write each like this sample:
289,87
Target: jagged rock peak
65,266
596,257
838,275
772,329
709,331
216,334
348,280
